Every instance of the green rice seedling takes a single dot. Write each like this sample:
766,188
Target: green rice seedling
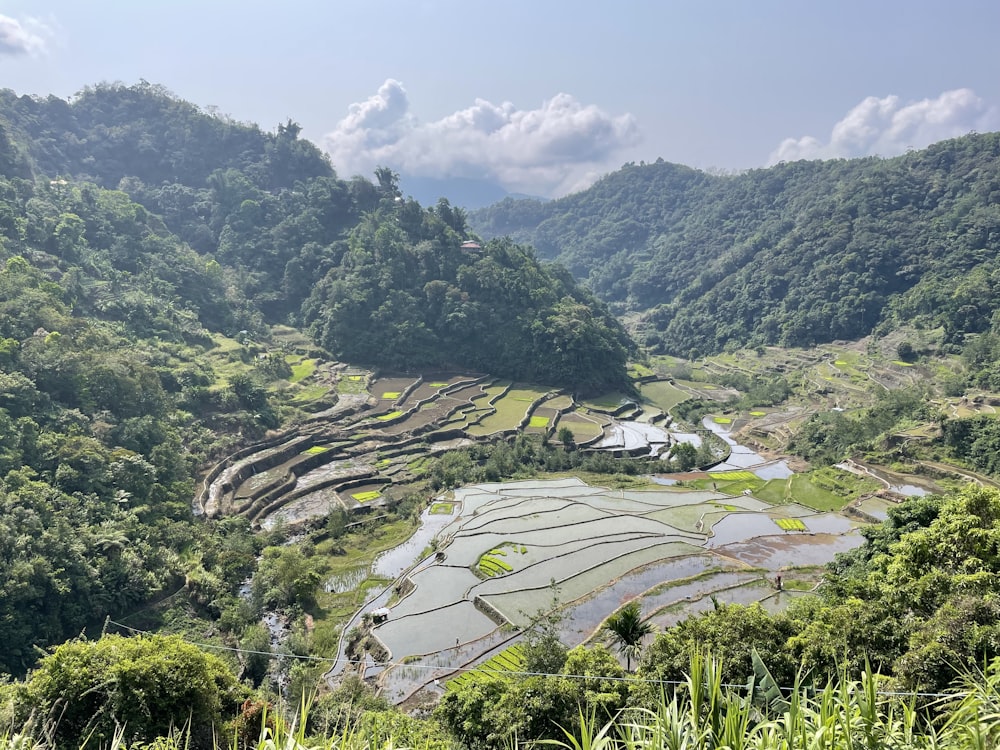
511,659
732,476
790,524
302,370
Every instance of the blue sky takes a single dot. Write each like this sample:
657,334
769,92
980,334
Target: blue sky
540,96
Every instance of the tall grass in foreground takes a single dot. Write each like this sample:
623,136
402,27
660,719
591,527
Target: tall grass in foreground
702,714
847,715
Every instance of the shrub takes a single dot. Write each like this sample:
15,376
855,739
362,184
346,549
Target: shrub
143,687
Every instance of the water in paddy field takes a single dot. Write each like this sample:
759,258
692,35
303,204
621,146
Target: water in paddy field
901,484
745,594
346,581
634,435
582,619
773,470
600,547
740,456
393,562
686,437
739,527
776,552
910,490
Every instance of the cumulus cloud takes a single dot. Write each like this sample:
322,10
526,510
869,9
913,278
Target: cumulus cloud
546,150
20,39
888,127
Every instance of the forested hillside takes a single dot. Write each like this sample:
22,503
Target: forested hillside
268,213
796,254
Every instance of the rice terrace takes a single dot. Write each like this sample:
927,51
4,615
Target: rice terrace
488,558
511,545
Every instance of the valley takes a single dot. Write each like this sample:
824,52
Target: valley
313,439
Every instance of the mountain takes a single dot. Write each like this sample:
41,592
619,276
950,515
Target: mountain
796,254
269,209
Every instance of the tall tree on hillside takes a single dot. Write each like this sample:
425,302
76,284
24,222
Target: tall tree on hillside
627,629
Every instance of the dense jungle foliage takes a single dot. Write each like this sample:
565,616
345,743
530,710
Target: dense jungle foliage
796,254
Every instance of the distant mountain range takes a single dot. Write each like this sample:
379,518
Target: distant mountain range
464,192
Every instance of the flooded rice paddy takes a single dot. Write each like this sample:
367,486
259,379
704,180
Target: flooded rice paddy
590,547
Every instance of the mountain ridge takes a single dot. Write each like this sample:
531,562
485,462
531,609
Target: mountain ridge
795,254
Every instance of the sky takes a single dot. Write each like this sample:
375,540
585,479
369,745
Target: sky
541,97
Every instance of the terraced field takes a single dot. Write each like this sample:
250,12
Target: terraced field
510,546
376,437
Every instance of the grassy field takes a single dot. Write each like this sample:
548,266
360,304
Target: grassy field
607,402
301,368
823,489
352,383
663,394
356,549
510,410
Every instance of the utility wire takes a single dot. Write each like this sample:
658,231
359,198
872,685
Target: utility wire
515,673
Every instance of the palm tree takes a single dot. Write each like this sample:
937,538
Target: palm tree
627,629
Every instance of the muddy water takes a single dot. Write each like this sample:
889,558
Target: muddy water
401,682
902,484
581,619
747,594
738,527
774,552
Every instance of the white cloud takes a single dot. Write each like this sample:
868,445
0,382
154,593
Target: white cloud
20,39
546,150
888,127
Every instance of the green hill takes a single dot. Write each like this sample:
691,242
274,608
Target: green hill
796,254
267,213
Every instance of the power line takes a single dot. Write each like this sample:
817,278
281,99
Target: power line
513,673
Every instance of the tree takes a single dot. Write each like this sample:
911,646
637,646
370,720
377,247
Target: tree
685,455
627,629
543,652
565,436
143,686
